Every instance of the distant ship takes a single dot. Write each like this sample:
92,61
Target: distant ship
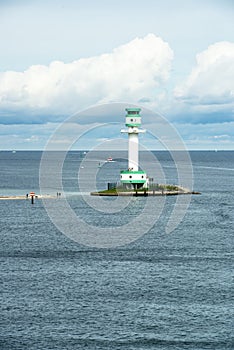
109,159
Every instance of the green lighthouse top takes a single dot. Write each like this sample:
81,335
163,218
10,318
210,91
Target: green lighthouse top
133,117
133,110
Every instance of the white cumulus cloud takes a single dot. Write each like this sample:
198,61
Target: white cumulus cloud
210,86
132,72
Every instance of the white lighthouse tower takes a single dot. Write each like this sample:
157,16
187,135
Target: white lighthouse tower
133,176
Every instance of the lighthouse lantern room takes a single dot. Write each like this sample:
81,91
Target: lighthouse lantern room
133,176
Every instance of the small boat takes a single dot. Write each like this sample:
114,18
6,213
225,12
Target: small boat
109,159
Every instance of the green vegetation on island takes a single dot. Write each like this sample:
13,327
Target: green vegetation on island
153,189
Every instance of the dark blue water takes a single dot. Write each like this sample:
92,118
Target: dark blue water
162,291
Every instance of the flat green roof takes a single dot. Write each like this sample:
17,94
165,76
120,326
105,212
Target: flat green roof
132,172
133,181
133,109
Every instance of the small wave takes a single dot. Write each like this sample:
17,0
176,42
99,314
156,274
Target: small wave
213,168
81,342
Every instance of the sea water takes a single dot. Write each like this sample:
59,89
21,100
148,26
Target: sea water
162,291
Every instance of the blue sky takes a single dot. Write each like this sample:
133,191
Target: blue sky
175,57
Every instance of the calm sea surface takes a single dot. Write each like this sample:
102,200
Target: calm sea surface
163,291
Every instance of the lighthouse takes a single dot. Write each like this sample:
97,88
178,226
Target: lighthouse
133,177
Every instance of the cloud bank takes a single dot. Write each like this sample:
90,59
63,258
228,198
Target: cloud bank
137,72
132,72
208,92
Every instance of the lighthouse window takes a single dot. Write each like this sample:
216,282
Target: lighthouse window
130,176
131,120
142,176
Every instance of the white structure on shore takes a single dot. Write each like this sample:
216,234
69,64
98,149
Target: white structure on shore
133,176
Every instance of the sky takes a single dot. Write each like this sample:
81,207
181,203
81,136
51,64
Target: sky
173,57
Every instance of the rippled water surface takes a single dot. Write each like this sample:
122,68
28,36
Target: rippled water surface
162,291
